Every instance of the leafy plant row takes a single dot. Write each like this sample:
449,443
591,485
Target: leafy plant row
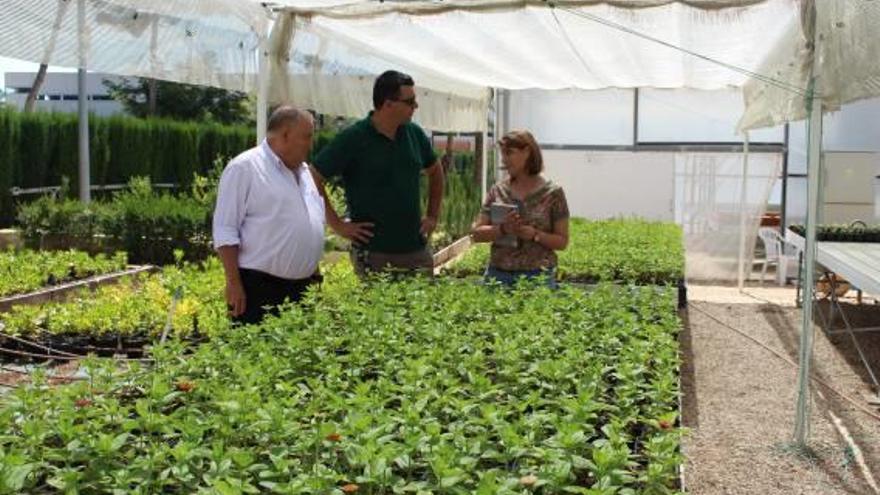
461,204
630,250
420,387
150,225
135,311
26,270
146,223
842,233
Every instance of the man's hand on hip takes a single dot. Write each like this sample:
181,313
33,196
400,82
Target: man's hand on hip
356,232
236,300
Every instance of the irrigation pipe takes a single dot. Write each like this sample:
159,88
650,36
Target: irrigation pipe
35,344
788,360
68,358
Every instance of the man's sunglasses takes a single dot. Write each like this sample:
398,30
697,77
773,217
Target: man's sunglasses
408,101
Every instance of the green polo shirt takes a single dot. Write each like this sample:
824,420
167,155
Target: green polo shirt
381,180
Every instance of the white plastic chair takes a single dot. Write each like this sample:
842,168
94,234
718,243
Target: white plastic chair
774,247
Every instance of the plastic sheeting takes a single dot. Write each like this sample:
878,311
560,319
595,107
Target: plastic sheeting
847,51
334,73
455,49
365,8
710,204
570,47
206,42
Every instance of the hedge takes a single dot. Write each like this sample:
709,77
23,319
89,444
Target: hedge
38,149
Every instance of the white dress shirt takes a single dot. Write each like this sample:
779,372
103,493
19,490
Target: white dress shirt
276,220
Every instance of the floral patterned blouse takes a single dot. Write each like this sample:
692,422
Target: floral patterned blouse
541,209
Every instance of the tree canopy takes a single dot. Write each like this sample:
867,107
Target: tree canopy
144,97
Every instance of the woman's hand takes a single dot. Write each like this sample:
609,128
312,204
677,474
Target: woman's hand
511,223
526,232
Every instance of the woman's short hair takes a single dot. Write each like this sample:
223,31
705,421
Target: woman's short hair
523,140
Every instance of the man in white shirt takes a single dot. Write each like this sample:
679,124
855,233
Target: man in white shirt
269,219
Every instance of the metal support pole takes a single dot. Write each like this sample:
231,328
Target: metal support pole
814,155
484,175
741,273
635,140
497,132
783,220
262,90
83,109
504,103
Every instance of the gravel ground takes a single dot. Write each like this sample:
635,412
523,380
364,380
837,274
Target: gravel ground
739,398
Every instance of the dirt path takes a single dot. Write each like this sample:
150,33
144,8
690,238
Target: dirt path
739,399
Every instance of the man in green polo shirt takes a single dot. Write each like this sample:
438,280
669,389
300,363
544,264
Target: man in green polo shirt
379,160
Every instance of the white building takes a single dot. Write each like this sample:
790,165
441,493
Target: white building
60,92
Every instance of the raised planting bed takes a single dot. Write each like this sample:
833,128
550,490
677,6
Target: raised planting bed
25,271
621,250
414,386
65,290
124,317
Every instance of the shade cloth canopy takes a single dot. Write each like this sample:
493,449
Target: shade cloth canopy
325,54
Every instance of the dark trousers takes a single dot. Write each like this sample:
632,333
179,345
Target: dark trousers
263,293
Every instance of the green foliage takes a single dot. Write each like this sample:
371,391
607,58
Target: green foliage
461,201
147,224
179,101
26,271
399,387
136,307
38,149
58,215
630,250
150,226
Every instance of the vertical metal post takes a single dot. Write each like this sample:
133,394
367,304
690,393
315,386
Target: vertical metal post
814,156
497,132
484,157
262,89
83,110
636,118
783,213
741,272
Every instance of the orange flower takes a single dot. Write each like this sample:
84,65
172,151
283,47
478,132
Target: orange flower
185,386
664,424
350,488
334,437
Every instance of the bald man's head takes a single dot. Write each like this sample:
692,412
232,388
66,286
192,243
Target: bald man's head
289,132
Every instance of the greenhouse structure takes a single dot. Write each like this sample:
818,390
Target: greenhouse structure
686,127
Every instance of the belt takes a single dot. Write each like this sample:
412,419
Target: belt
268,277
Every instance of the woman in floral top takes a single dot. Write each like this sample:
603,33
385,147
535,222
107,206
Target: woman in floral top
538,220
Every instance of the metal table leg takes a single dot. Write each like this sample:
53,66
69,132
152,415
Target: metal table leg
835,302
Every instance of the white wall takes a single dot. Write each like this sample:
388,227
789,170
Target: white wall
848,186
854,128
574,117
685,115
603,184
613,184
578,117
